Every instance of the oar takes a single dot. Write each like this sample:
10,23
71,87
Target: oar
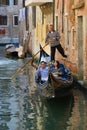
18,70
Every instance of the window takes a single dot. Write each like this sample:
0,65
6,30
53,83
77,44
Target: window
4,2
15,2
15,20
3,20
23,3
56,22
42,18
34,15
63,4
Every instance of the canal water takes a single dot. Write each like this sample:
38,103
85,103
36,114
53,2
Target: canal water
21,108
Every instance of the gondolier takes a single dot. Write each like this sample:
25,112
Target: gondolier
54,38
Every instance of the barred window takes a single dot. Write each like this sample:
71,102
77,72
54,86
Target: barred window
3,20
15,2
15,20
4,2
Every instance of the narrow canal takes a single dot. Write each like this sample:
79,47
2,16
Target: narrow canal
21,108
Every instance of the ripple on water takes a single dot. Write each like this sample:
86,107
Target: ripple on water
6,61
8,67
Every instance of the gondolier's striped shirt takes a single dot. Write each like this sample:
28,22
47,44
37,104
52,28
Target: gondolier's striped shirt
50,36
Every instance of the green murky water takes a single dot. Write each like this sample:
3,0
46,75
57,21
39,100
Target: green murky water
21,108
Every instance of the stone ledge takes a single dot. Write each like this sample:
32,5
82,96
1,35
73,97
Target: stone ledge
80,84
85,84
78,5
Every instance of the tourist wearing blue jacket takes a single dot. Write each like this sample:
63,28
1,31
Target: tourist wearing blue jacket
59,70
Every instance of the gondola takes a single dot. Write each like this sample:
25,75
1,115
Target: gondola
54,86
14,50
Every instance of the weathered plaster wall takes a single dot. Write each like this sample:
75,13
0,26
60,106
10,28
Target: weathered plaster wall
38,32
69,36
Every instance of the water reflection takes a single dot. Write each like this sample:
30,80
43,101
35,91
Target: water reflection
11,98
53,114
78,118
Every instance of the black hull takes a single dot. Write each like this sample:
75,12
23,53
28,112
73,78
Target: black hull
47,89
63,92
12,54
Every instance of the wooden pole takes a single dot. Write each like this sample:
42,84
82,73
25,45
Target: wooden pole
22,67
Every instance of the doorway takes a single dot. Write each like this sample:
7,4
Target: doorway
80,47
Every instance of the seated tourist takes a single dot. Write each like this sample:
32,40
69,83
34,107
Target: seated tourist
59,70
42,72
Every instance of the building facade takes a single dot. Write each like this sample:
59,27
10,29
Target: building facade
71,19
9,11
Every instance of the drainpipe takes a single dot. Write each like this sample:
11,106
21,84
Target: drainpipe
53,12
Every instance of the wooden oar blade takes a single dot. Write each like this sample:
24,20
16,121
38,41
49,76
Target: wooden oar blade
18,70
